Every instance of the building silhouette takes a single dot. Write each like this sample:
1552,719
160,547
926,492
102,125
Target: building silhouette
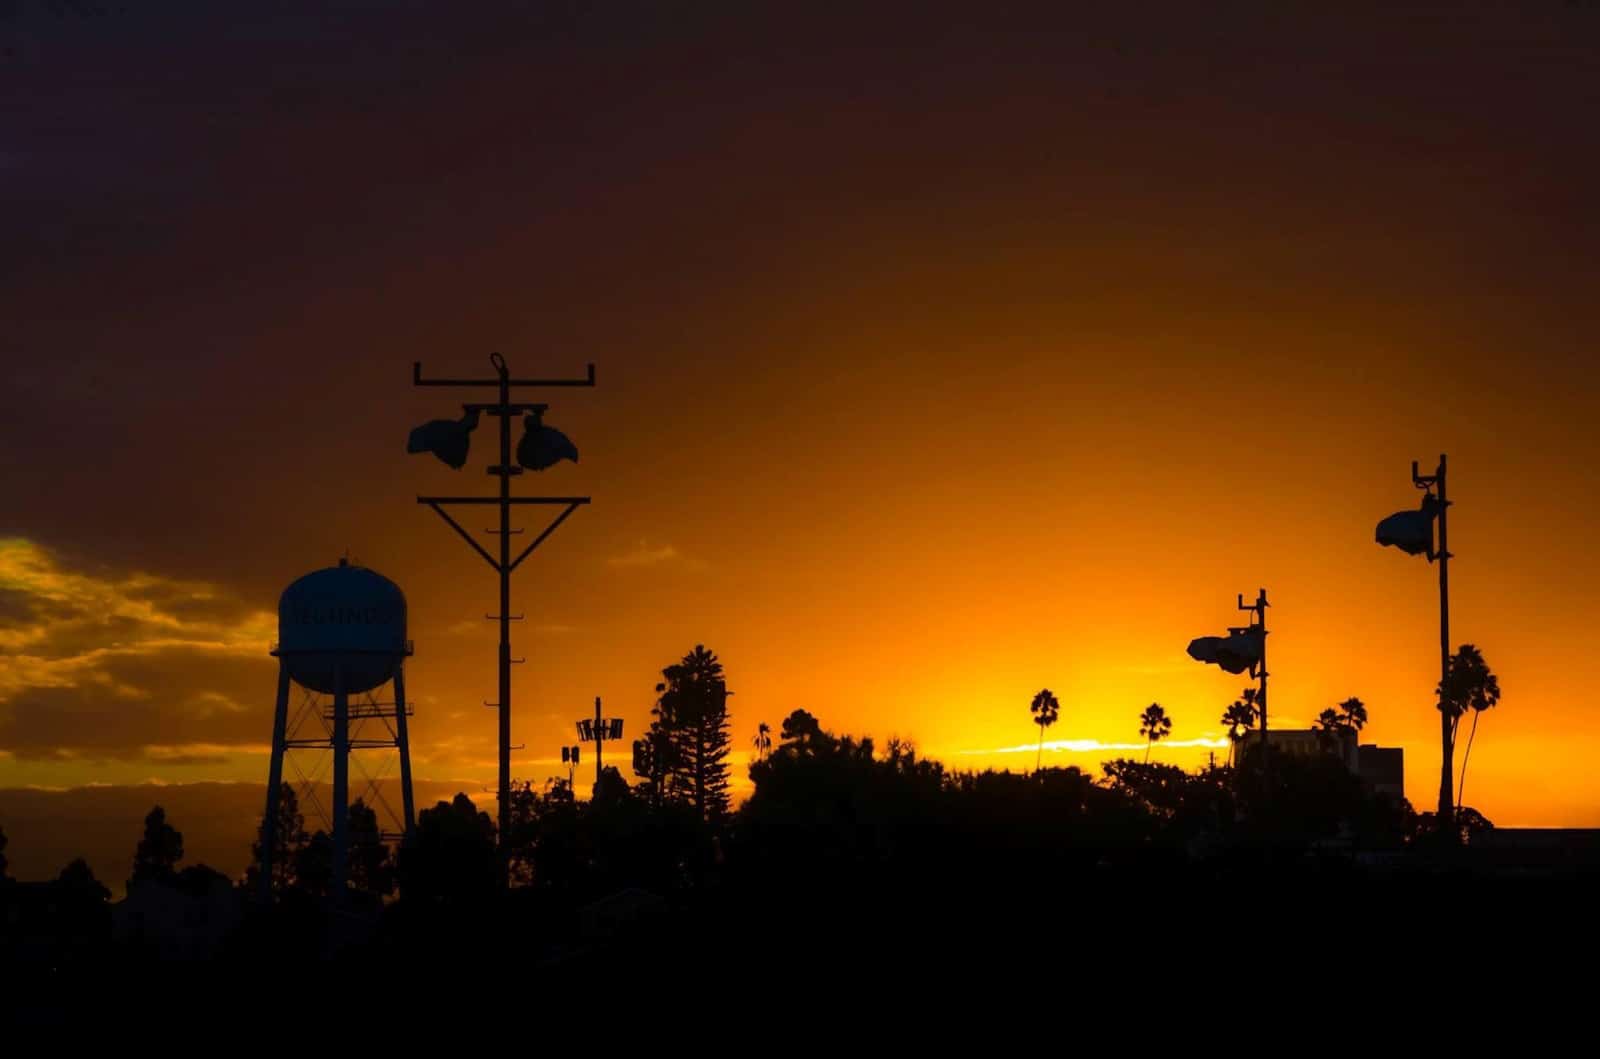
1383,768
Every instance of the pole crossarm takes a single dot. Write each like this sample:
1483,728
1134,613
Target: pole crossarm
418,380
512,409
435,503
572,504
496,500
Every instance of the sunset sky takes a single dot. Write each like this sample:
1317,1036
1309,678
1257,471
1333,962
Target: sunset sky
944,354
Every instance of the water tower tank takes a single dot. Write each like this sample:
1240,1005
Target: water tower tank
345,622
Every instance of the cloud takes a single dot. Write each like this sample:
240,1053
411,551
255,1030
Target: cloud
115,665
645,554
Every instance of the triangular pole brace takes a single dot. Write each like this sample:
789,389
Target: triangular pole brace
568,503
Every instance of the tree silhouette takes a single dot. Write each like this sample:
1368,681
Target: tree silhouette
1240,717
1353,712
1328,724
801,731
453,857
1339,722
1469,686
653,761
1045,710
159,851
762,740
77,879
1471,822
1154,725
79,913
371,869
3,861
522,829
291,838
692,713
313,865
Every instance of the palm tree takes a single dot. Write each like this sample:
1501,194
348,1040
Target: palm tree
1045,710
1353,712
762,740
1240,717
1154,725
1329,726
1469,686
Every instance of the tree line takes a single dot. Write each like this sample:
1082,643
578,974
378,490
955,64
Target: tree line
827,810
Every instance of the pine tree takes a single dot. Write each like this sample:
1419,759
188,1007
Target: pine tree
313,865
691,724
77,880
159,851
290,839
371,868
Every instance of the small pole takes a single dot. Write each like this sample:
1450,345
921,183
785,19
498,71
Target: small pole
341,784
269,823
1261,617
1446,725
599,736
1258,617
408,802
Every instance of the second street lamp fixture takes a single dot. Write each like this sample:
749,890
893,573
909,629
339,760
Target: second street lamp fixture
543,447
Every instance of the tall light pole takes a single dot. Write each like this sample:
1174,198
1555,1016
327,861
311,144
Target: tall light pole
449,442
1412,532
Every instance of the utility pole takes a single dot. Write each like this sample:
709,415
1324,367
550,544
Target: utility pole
599,741
504,565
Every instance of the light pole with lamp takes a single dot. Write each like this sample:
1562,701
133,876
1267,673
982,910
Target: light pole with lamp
1412,532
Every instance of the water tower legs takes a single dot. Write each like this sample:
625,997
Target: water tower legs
408,804
269,822
341,785
338,741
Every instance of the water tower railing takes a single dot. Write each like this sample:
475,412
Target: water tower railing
275,648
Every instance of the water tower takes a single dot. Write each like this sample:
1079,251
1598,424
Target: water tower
341,636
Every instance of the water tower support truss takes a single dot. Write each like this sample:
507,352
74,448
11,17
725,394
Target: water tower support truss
341,727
